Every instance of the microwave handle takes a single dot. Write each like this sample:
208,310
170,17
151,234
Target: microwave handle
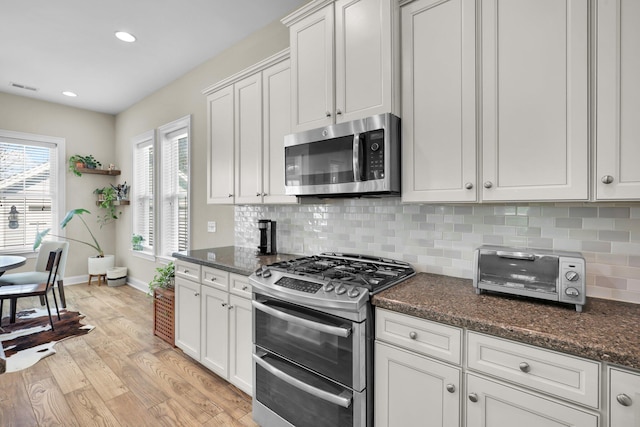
516,255
358,157
343,399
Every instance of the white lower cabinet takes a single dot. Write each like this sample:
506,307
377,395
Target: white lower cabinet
214,321
413,390
624,398
494,404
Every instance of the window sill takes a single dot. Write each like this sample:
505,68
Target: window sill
144,255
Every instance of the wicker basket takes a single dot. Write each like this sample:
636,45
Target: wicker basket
164,314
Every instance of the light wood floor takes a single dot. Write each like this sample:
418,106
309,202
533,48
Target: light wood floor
119,374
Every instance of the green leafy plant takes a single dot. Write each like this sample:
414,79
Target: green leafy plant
68,217
106,198
136,242
164,277
77,161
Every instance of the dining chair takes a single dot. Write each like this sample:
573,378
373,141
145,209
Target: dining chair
14,292
40,274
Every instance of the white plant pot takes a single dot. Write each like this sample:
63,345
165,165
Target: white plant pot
99,266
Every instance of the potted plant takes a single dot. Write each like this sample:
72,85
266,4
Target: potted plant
161,288
164,278
77,162
106,198
136,242
97,264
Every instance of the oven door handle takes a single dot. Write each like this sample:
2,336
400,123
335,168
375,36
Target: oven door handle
343,399
328,329
516,255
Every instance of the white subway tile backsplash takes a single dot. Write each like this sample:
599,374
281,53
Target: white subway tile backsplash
441,238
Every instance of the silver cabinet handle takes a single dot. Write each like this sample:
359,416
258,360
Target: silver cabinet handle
524,367
258,194
264,194
224,304
230,195
488,184
186,271
607,179
413,335
451,388
328,329
473,397
338,111
230,307
197,294
624,399
328,114
468,185
343,399
245,287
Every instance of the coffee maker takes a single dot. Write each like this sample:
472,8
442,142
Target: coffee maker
267,237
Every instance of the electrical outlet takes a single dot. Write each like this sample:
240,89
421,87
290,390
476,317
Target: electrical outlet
211,226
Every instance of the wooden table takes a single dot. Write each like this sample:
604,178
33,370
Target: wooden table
7,262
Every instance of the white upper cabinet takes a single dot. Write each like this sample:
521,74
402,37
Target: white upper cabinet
535,100
438,101
248,139
342,64
617,175
220,147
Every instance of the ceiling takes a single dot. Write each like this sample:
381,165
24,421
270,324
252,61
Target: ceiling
69,45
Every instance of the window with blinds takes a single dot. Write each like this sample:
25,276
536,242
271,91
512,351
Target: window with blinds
143,190
174,187
31,175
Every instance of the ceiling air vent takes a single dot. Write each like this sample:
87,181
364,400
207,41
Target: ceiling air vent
25,87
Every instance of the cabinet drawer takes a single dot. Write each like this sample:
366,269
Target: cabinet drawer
568,377
624,398
188,270
420,335
218,279
239,285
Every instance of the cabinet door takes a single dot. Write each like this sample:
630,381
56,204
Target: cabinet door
276,111
248,140
412,390
240,344
494,404
363,57
618,107
312,64
624,399
220,147
439,105
534,100
188,316
215,330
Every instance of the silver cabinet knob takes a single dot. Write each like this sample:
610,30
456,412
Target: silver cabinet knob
264,194
230,307
413,335
451,388
328,114
623,399
186,271
213,279
244,288
230,195
524,367
488,184
607,179
258,194
197,294
468,186
338,111
473,397
224,304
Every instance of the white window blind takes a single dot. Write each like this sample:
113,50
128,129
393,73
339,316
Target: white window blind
143,190
30,180
174,200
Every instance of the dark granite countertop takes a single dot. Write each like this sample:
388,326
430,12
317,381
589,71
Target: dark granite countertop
231,258
606,330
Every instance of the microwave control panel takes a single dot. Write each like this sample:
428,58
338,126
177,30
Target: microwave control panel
373,148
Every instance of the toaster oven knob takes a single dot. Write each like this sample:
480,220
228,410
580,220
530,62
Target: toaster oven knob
340,289
571,275
572,292
353,293
328,287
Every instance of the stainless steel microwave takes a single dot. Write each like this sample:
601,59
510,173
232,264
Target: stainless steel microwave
356,158
550,275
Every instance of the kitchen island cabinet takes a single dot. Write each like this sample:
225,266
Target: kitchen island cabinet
344,63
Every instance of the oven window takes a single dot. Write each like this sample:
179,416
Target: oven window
538,275
296,406
328,354
320,163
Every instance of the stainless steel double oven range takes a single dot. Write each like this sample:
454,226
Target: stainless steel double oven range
313,332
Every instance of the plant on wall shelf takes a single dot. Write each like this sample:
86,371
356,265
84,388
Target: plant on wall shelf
164,277
106,200
77,161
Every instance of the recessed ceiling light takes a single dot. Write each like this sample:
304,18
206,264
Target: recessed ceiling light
69,93
125,37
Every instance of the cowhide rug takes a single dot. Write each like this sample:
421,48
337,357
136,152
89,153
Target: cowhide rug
31,339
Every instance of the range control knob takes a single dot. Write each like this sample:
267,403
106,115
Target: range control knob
571,275
375,146
353,293
328,287
572,292
266,273
340,289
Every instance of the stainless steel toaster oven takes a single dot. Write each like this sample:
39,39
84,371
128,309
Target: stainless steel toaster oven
536,273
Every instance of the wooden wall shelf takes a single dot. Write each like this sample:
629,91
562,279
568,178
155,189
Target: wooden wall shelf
99,171
116,202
